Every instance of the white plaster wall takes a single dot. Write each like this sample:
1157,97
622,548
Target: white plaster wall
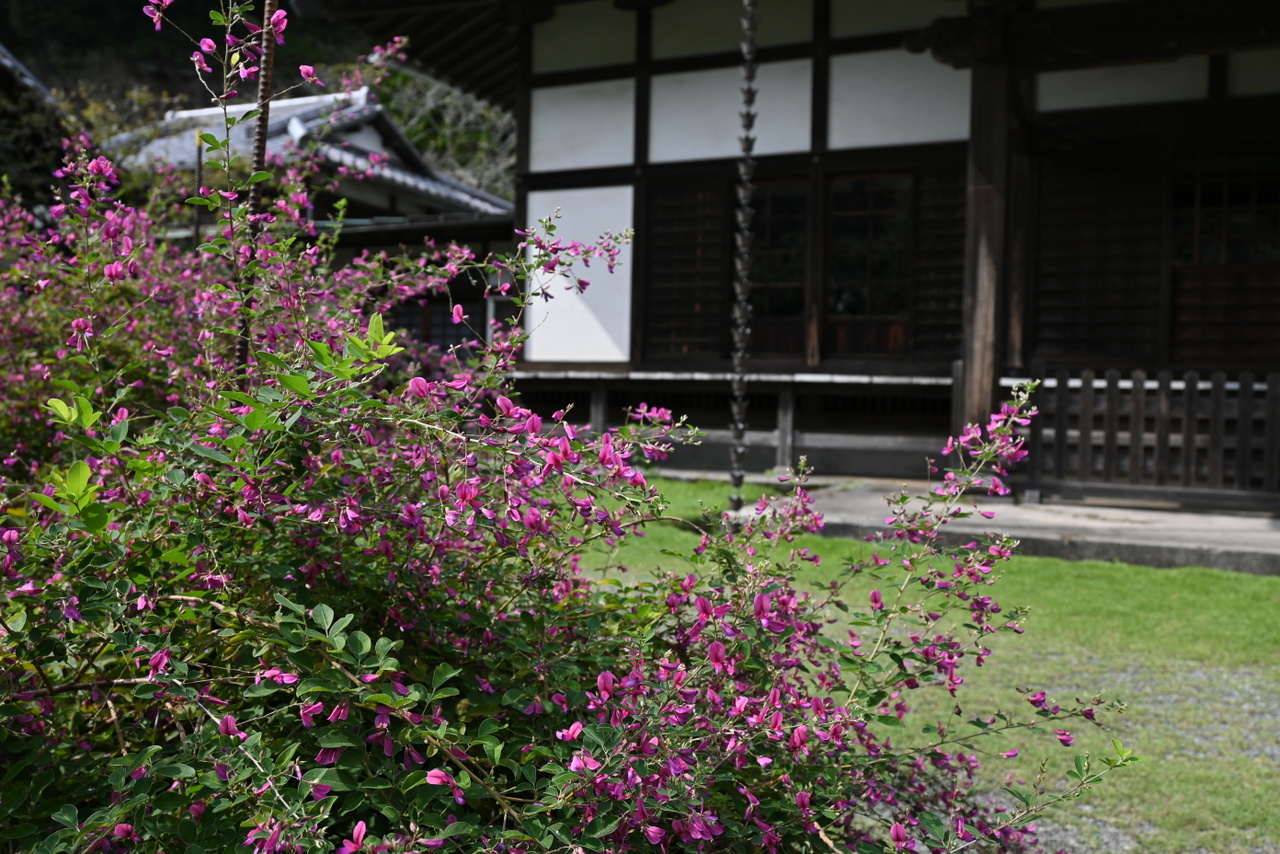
866,17
583,125
594,326
893,97
1183,80
695,114
584,35
691,27
1253,72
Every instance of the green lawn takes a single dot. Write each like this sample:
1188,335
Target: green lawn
1194,652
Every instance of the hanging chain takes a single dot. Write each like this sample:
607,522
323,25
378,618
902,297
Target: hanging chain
742,257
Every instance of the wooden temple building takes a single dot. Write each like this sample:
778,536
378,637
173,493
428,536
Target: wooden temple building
948,196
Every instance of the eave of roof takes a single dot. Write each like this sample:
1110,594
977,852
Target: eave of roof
22,76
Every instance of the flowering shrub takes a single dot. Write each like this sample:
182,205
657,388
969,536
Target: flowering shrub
272,584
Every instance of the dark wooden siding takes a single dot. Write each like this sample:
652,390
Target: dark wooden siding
1099,261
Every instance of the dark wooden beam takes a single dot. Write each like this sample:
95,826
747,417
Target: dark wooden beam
346,9
988,179
1102,34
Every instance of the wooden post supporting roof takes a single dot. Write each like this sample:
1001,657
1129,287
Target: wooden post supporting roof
984,269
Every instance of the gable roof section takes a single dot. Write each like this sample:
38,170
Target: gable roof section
335,125
14,76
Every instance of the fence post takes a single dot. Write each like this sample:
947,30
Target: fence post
786,429
1271,429
1244,432
1190,417
1137,426
599,403
1163,412
1217,420
1111,426
1061,425
1039,399
1084,461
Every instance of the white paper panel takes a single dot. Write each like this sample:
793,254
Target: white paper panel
695,114
583,125
691,27
594,326
893,97
1183,80
584,35
1253,72
866,17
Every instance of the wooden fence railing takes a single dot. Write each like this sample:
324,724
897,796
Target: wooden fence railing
1157,435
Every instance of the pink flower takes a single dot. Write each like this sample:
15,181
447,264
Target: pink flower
201,65
418,387
877,602
574,730
717,657
308,73
208,45
279,23
439,777
1064,736
328,755
308,711
228,726
458,316
356,842
898,834
653,833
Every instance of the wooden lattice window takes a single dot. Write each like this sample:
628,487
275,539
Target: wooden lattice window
869,292
1226,261
686,305
779,246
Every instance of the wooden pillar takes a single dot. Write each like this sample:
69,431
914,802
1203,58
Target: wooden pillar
786,429
599,406
988,179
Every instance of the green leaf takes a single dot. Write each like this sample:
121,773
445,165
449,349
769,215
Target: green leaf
67,816
292,606
339,738
211,453
176,770
376,331
932,825
442,675
180,555
323,616
63,411
258,177
95,517
46,501
359,643
297,384
78,477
